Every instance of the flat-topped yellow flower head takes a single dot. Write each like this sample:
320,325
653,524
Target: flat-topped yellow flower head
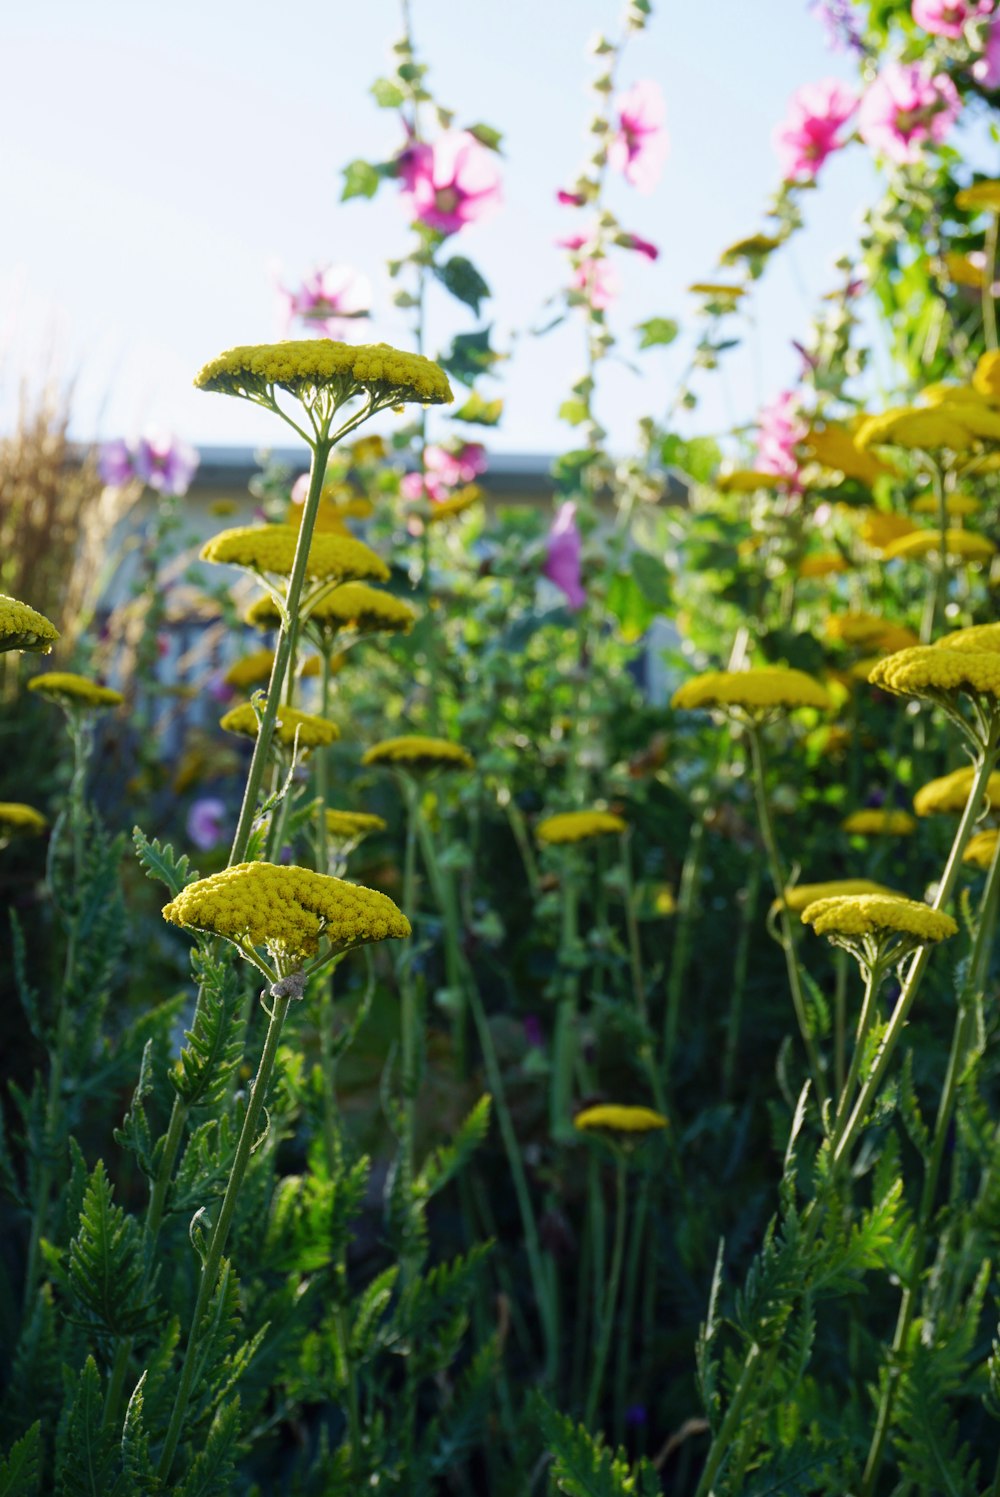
74,693
981,848
619,1117
306,367
19,820
823,564
932,672
24,628
878,914
957,506
455,504
877,528
270,550
353,605
963,545
868,631
754,691
926,428
313,732
950,793
800,896
978,638
748,480
986,379
981,195
287,910
876,821
579,826
347,828
834,446
414,751
250,670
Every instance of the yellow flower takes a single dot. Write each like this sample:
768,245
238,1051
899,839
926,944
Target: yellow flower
71,691
833,446
250,669
20,820
879,527
619,1118
975,415
287,910
800,896
353,605
718,290
23,628
981,848
305,367
929,670
869,631
413,751
664,901
963,270
271,549
986,378
951,792
977,638
313,732
747,480
958,506
338,502
753,690
878,915
369,450
823,564
579,826
961,544
879,823
455,504
749,248
911,426
979,195
223,507
349,827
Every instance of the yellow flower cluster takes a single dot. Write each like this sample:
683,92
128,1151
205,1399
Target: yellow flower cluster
869,631
313,732
619,1118
927,669
876,915
24,628
351,826
962,544
304,366
579,826
455,504
747,481
964,271
801,895
980,195
753,690
353,605
951,792
833,446
878,528
977,638
823,564
69,690
912,426
250,669
18,818
957,506
287,910
413,751
981,847
879,823
271,549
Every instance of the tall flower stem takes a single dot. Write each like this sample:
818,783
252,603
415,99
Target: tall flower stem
604,1315
784,919
564,1043
638,981
961,1037
220,1231
741,963
322,767
637,1239
873,982
989,280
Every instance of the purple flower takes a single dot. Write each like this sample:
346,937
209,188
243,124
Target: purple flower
843,31
329,302
533,1036
165,463
562,555
206,823
986,70
454,182
219,688
114,463
779,430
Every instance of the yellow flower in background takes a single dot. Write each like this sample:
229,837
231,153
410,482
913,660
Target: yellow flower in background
977,638
579,826
718,290
338,503
71,691
369,450
963,545
878,915
348,828
747,480
305,367
869,631
416,752
749,248
287,910
877,822
249,670
929,670
664,901
834,446
981,848
753,690
878,528
24,628
271,549
455,504
313,732
17,819
957,506
964,271
222,507
986,378
353,605
619,1118
980,195
912,426
823,564
950,793
799,896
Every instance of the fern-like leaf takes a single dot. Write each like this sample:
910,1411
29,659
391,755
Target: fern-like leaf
583,1466
214,1046
86,1457
161,863
213,1468
106,1270
21,1472
446,1162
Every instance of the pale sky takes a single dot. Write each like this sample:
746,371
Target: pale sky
160,161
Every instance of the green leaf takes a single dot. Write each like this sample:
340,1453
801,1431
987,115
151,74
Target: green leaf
627,602
469,356
459,276
361,180
583,1466
213,1468
161,862
85,1451
214,1045
137,1463
486,135
657,332
699,457
21,1472
479,412
387,95
106,1271
446,1161
369,1309
653,579
573,412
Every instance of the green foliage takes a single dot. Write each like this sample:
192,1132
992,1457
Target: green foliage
475,411
161,863
106,1269
583,1466
214,1046
361,180
469,356
657,332
21,1472
86,1453
446,1161
212,1470
459,276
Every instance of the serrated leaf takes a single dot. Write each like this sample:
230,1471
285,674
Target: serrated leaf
21,1472
459,276
447,1160
86,1456
160,862
213,1468
106,1272
583,1466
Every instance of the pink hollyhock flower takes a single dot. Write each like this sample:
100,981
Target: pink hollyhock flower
563,546
412,486
598,281
817,113
572,242
986,70
206,823
638,149
948,17
640,246
905,108
329,302
570,199
779,431
114,463
165,463
455,467
454,182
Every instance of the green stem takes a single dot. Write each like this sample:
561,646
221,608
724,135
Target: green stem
873,983
687,898
741,965
989,277
841,972
322,777
727,1430
220,1231
623,1356
519,827
564,1042
607,1314
408,1010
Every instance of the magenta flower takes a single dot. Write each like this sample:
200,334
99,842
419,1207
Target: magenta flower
563,546
329,302
166,464
206,823
572,242
219,688
454,182
114,463
948,17
640,246
598,281
638,148
570,199
779,431
811,132
453,467
986,69
906,108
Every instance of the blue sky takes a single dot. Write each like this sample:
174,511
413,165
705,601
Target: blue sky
160,161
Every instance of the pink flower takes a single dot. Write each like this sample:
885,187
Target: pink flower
114,463
570,199
572,242
598,281
948,17
640,246
639,147
206,823
454,182
905,108
986,70
817,114
455,466
166,464
412,486
779,430
329,301
562,555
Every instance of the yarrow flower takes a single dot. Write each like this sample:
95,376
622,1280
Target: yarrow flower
878,914
811,131
453,182
323,374
17,819
414,751
964,545
869,631
619,1117
329,302
950,793
834,446
311,731
753,691
906,108
639,146
747,480
353,605
270,549
942,675
206,822
977,638
800,896
823,564
877,821
163,462
981,848
74,692
287,910
348,828
24,628
250,670
563,550
579,826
